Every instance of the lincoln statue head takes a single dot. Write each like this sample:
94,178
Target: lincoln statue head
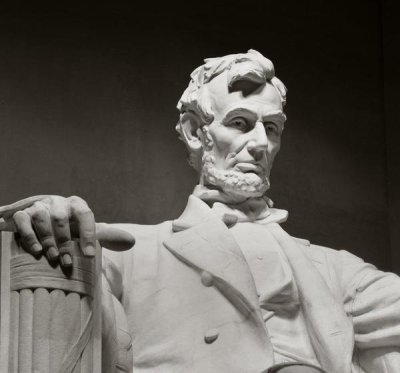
231,120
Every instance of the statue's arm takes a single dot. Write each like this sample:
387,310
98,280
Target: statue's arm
372,298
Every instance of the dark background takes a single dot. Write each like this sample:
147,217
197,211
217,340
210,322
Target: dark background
88,94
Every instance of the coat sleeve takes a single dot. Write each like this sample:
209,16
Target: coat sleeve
372,300
117,354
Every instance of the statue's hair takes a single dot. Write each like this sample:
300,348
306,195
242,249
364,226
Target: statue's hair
251,66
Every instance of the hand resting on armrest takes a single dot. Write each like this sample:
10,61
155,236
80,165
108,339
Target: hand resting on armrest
47,224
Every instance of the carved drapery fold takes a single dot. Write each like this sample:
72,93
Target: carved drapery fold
49,318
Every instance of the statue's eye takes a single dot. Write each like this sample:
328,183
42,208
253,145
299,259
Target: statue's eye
239,123
271,128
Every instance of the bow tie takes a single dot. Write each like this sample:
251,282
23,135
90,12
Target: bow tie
205,202
251,210
257,209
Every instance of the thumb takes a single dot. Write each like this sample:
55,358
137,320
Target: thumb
113,238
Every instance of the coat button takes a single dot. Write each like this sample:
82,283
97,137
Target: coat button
229,220
206,278
211,336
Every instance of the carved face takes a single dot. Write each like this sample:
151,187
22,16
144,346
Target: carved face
246,135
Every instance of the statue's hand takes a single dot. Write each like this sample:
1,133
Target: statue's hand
47,224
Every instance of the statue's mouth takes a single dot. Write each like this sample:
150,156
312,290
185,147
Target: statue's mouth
247,168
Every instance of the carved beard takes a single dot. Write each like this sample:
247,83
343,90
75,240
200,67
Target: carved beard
232,181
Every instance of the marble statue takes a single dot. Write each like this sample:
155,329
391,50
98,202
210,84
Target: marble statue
223,288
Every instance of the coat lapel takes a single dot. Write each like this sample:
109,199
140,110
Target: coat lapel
209,247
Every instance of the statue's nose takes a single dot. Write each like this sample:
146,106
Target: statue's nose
258,143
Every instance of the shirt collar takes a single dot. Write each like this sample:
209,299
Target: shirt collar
197,211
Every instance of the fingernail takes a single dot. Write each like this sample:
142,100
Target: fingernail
36,248
52,253
66,260
90,250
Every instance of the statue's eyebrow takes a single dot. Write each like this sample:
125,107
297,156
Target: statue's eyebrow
275,116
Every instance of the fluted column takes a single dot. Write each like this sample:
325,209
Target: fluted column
49,317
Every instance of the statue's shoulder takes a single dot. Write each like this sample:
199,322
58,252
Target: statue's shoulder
342,257
346,266
327,259
316,253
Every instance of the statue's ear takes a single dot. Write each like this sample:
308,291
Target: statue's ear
188,124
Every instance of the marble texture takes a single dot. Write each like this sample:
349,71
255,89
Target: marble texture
223,287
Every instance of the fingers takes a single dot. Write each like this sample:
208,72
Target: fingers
113,238
41,222
9,210
83,216
45,223
62,233
28,236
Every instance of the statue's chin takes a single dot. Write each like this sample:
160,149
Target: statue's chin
235,183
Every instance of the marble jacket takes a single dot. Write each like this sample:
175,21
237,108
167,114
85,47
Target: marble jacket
189,297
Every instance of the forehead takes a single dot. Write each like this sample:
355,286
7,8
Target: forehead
263,100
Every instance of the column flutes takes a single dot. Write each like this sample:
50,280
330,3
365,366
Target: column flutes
50,318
